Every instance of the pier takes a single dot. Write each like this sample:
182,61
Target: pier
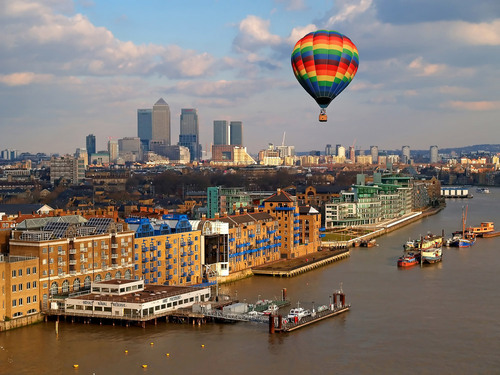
293,267
279,324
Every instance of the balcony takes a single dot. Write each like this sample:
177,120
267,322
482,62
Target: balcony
145,260
114,246
72,272
72,262
114,256
190,242
168,246
169,267
72,251
61,252
145,270
184,264
105,247
183,243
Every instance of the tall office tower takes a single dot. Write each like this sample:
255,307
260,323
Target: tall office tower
337,147
161,122
90,142
189,135
405,153
374,154
236,133
352,154
433,154
145,126
113,150
340,151
220,132
328,150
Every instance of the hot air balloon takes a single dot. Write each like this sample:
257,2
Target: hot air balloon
324,62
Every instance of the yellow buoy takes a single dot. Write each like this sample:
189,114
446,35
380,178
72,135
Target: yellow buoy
152,343
126,351
202,345
144,366
75,366
168,354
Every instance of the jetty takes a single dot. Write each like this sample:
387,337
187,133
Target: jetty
293,267
279,324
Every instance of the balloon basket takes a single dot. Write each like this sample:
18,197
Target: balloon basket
323,117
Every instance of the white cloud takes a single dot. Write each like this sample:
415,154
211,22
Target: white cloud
24,78
425,69
349,10
475,33
60,44
254,34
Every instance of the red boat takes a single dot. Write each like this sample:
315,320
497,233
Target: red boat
407,260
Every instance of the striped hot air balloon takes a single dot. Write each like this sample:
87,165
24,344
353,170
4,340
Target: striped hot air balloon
324,62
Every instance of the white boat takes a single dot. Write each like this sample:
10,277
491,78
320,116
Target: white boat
298,313
483,190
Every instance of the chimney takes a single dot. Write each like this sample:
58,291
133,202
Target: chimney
278,191
216,215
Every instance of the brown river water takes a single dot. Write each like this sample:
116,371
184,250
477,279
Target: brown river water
436,319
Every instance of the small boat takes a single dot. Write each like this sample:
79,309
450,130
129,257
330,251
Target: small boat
368,243
271,309
483,190
408,259
464,238
430,241
432,255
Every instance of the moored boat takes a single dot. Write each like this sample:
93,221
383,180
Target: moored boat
433,255
368,243
480,231
297,313
491,234
483,190
465,238
408,259
271,309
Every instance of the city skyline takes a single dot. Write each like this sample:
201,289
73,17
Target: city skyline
86,67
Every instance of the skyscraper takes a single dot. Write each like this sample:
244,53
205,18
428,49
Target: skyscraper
145,126
328,150
236,133
161,122
374,154
433,154
189,135
90,142
405,152
220,132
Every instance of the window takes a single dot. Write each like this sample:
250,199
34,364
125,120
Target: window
34,270
20,287
34,284
28,271
13,273
28,299
44,250
28,285
20,301
14,303
34,298
51,249
14,288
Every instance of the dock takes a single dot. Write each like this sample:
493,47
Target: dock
293,267
278,324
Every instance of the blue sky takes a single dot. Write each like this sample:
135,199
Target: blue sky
429,71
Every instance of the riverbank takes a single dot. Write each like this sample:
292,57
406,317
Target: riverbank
333,251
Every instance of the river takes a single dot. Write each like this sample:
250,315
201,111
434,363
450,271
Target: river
436,319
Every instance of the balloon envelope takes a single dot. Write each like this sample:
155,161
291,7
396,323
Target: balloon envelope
325,62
